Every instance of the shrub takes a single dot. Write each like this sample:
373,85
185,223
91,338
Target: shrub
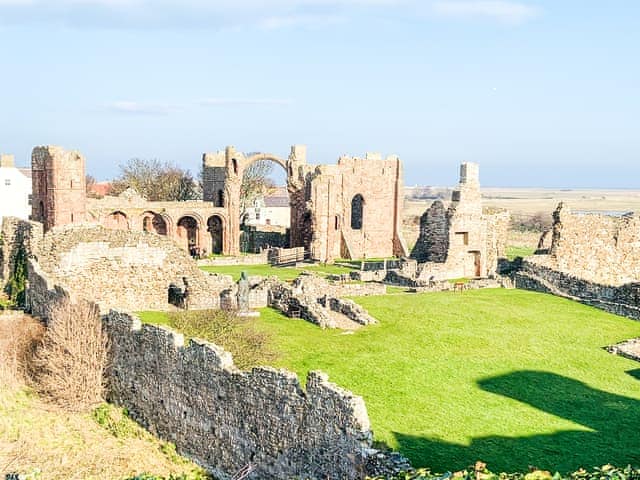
248,345
17,284
19,337
539,222
68,368
480,472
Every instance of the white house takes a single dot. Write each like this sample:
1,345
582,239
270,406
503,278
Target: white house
272,209
15,189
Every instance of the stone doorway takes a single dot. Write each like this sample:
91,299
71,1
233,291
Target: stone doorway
188,234
215,228
477,263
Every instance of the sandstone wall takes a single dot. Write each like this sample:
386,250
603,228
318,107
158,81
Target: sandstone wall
225,419
598,248
16,233
463,240
130,270
539,273
331,190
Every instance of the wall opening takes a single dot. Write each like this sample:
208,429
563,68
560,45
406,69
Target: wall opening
187,233
357,212
216,230
117,220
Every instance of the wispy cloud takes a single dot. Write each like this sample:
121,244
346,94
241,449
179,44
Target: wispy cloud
139,108
129,107
288,21
214,102
230,14
504,11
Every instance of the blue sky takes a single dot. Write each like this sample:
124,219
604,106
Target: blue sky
540,93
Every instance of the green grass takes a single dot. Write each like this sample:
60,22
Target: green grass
511,377
514,251
284,273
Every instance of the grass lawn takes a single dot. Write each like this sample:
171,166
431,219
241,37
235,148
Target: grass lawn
284,273
513,378
514,251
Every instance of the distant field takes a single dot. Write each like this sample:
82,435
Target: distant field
529,201
532,201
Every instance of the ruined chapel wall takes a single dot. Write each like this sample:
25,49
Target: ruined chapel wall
332,189
599,248
225,419
130,270
433,241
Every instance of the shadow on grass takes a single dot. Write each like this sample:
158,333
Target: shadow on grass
613,421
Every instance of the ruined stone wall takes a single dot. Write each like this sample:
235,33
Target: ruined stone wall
333,189
226,419
16,233
433,242
131,270
598,248
539,273
213,178
462,241
219,416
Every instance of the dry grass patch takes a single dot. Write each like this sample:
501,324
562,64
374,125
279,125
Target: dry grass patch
65,445
68,367
19,337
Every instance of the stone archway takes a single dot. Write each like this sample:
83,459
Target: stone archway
215,227
154,223
188,233
223,173
117,220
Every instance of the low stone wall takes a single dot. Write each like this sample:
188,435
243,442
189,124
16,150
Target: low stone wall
225,419
249,259
349,309
537,273
313,299
42,295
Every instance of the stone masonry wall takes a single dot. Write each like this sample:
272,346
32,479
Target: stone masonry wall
16,233
464,240
539,273
124,269
598,248
226,419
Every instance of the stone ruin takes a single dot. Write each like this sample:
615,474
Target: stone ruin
591,258
459,241
193,394
351,210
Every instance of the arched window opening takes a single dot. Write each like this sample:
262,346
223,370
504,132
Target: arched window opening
357,211
234,162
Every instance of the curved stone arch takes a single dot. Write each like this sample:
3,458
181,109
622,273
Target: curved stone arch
152,214
198,218
112,220
267,156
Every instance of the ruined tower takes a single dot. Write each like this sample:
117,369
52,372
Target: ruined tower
59,188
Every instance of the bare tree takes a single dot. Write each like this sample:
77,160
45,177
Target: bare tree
156,180
255,184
